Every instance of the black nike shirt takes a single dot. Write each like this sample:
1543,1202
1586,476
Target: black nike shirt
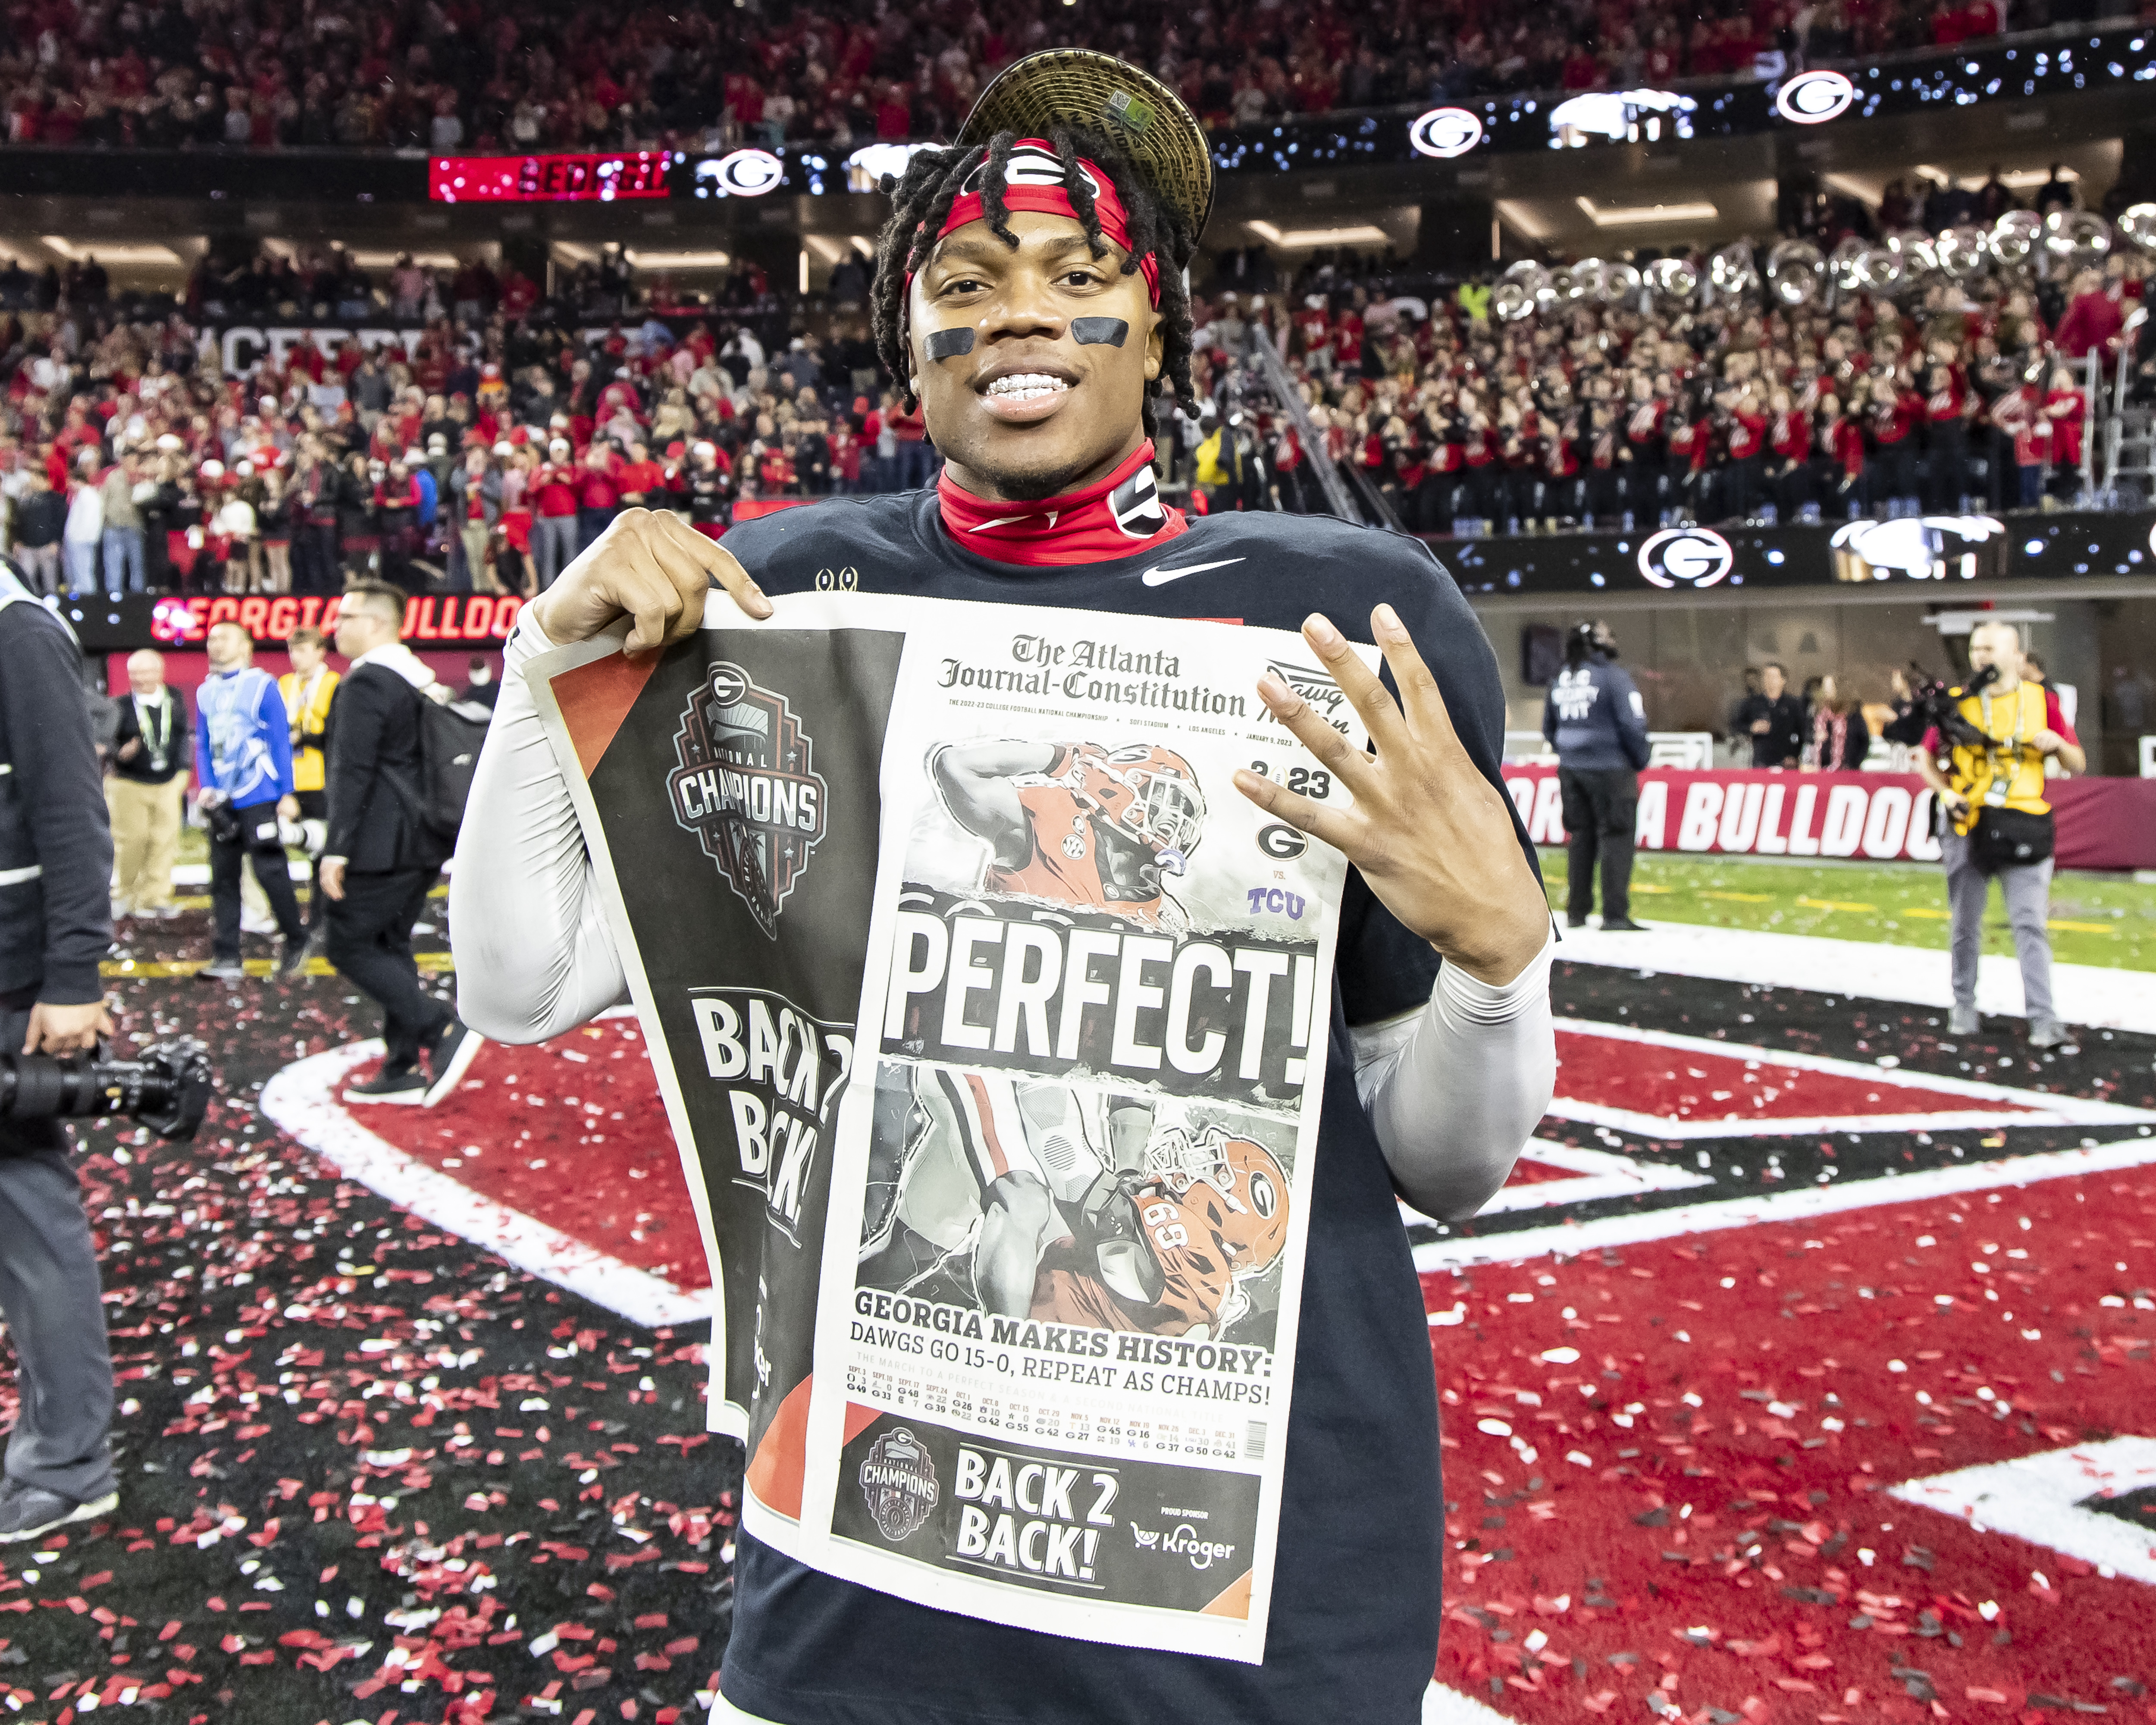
1353,1629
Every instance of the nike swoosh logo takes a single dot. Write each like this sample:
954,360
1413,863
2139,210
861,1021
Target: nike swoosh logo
1158,577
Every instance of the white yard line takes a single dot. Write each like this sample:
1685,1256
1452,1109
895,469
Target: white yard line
1442,1705
306,1100
2084,993
1571,1239
2039,1498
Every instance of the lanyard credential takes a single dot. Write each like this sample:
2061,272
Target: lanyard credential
2006,752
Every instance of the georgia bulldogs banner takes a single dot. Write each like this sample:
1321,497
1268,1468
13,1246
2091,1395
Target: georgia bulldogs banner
2102,822
989,1020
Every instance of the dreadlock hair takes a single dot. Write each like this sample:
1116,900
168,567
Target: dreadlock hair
921,202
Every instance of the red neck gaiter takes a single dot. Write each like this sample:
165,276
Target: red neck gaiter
1111,518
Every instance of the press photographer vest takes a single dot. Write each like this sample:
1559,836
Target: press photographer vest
2011,773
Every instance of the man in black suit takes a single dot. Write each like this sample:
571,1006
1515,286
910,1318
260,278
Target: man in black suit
1775,720
380,860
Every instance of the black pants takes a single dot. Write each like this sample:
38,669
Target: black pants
1744,484
49,1296
1890,472
1599,805
256,836
315,559
1792,489
370,943
1946,463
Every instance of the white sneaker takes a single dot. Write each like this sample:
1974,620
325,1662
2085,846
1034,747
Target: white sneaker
1962,1021
250,923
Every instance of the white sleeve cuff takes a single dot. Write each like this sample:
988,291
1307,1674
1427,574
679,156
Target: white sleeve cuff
1474,1002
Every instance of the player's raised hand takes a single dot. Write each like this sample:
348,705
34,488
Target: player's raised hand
1433,837
649,565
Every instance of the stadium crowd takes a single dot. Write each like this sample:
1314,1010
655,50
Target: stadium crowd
1959,396
484,447
452,74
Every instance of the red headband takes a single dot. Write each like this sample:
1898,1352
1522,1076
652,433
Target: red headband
1032,180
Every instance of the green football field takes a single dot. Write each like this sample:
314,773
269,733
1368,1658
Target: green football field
2095,918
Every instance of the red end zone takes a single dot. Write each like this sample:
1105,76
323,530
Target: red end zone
1672,1435
1669,1466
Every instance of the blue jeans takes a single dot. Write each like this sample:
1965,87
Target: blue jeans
80,555
123,551
917,465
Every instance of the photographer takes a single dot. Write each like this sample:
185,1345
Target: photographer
56,859
2001,730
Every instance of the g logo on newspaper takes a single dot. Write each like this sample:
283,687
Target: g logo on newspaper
745,783
898,1479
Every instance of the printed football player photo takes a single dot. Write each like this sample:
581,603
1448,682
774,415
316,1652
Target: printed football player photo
1075,824
1070,1206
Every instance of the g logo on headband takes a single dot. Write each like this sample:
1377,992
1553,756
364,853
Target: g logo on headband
1031,165
1813,98
1686,556
1446,132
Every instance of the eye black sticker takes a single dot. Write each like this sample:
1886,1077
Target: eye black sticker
1100,331
948,344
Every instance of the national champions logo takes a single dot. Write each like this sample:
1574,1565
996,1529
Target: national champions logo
746,785
898,1480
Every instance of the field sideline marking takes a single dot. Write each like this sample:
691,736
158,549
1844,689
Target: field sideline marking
303,1099
1569,1239
2033,1108
1856,970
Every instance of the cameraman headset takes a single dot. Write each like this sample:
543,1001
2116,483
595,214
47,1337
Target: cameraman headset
1999,820
55,925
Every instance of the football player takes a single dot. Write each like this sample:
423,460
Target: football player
1211,1211
1075,824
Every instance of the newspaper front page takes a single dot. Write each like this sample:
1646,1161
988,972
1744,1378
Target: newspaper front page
991,1021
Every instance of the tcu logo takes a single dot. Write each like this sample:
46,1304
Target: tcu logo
1686,556
746,785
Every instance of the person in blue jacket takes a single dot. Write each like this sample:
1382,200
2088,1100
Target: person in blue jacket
1598,724
243,775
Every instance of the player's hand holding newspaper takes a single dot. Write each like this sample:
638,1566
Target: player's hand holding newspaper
1431,835
650,566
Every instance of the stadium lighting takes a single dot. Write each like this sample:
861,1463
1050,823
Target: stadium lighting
1643,215
1295,239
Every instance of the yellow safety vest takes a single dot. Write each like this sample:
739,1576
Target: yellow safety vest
1210,469
309,769
2010,774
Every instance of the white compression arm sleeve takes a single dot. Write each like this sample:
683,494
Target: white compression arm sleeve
533,953
1456,1090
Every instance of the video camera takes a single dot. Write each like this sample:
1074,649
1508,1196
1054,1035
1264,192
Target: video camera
1940,702
167,1088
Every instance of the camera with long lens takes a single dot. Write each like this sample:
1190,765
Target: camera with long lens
166,1088
1941,703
